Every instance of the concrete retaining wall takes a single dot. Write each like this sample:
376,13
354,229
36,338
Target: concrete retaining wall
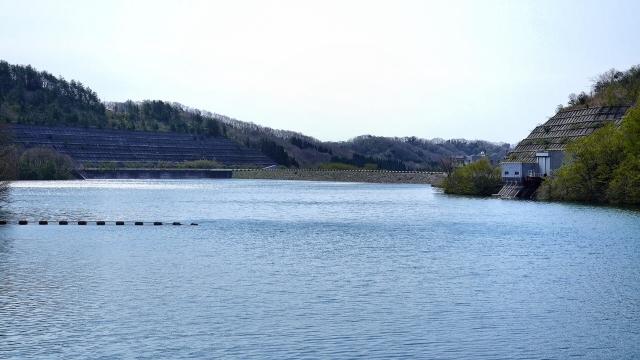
402,177
369,176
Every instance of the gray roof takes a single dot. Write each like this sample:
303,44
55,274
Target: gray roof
563,127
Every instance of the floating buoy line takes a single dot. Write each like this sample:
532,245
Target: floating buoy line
99,222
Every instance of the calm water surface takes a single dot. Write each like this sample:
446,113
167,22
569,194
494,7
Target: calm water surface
285,269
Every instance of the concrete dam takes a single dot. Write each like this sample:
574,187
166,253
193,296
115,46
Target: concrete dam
112,145
154,174
94,145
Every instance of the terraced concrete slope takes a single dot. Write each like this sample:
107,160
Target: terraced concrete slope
565,126
91,144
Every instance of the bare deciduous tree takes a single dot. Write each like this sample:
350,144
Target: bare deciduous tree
447,164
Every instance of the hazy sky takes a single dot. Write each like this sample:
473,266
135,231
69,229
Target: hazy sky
488,70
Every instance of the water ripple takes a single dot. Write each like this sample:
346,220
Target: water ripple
313,270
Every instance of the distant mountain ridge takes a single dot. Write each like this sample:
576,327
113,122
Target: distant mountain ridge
28,96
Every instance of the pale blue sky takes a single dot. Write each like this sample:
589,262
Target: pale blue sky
488,70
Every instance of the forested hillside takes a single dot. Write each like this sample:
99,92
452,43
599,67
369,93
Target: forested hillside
29,96
419,153
611,88
33,97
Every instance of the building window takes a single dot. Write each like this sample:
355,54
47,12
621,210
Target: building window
517,173
506,173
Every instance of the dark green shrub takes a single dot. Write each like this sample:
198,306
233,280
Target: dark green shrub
42,163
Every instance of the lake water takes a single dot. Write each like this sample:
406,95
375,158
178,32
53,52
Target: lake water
286,269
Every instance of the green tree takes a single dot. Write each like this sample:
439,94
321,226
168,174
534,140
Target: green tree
42,163
477,178
625,186
590,162
212,128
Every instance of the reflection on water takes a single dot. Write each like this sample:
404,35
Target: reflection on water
305,269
